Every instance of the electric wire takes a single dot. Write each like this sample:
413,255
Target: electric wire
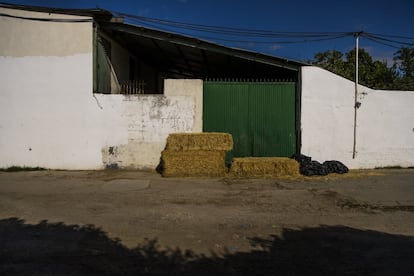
223,29
382,43
394,36
232,34
274,42
210,38
376,37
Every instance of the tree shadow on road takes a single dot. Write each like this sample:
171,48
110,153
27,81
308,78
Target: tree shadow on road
59,249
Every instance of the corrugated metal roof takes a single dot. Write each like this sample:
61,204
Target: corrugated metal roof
183,56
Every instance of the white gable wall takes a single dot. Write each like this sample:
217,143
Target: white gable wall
20,38
49,116
385,130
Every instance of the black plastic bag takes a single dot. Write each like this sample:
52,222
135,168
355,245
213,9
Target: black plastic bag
335,167
308,167
313,168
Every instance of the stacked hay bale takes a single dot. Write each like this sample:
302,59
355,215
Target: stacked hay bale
196,154
264,167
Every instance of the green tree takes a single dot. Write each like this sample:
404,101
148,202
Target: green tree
330,60
374,74
404,64
404,59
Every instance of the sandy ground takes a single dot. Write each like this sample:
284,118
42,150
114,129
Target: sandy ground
138,223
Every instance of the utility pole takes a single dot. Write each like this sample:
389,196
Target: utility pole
356,103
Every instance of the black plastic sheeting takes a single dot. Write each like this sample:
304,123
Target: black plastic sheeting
309,167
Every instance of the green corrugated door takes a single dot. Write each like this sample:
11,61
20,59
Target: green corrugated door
259,115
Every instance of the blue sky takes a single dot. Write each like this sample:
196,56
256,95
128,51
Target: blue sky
372,16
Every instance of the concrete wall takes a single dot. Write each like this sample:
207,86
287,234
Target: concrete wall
385,129
150,118
146,121
21,38
188,87
49,116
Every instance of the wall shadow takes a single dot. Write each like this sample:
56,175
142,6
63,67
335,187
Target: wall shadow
59,249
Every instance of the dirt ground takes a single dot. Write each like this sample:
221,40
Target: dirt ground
117,222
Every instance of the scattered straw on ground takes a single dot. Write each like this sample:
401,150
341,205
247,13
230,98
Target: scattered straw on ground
350,174
355,174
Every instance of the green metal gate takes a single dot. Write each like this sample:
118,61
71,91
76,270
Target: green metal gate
259,115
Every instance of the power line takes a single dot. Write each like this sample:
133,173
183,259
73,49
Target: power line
228,30
231,34
223,29
380,42
302,39
376,37
394,36
274,42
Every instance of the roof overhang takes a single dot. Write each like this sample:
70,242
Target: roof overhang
96,13
180,54
200,44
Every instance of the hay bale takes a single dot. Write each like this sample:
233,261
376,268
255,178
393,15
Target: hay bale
200,141
193,163
264,167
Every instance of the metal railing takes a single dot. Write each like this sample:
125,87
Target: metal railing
133,87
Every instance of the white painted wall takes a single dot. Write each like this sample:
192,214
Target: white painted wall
385,129
188,87
21,38
148,119
55,121
47,115
50,118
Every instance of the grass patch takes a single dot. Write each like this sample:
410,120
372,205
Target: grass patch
21,169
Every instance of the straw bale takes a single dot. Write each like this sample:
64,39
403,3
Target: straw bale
264,167
193,163
200,141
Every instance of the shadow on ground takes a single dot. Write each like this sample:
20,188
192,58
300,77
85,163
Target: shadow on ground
59,249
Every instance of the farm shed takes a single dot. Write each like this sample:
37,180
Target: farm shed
81,89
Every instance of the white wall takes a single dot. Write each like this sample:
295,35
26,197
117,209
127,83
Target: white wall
49,116
56,122
21,38
188,87
385,129
148,120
